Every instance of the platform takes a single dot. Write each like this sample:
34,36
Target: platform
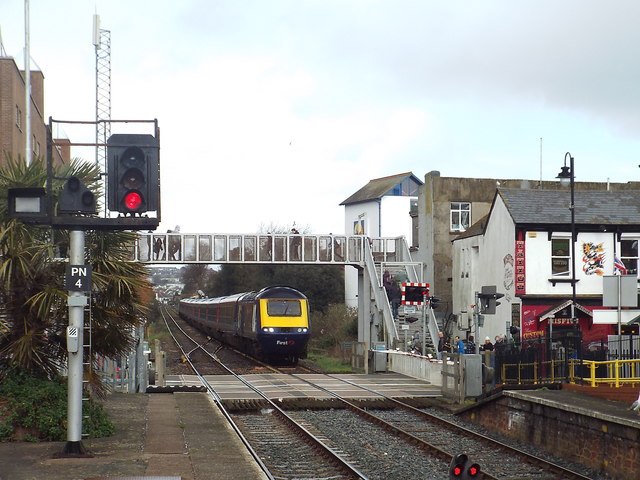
277,386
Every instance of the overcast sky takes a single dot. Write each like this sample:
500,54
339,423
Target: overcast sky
275,111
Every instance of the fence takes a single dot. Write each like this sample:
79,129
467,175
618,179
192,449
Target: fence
566,359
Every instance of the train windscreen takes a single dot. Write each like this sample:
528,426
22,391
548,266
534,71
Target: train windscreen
284,308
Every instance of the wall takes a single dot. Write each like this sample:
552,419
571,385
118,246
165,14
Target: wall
481,260
600,444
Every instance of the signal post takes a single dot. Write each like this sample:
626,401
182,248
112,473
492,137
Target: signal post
133,189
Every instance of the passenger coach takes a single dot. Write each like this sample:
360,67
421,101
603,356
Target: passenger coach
272,324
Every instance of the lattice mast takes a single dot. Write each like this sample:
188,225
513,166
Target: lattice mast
102,43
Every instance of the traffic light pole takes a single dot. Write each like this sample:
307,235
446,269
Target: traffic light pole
76,301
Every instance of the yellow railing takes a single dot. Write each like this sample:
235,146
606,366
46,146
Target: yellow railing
534,373
618,372
612,372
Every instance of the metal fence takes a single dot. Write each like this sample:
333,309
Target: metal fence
566,359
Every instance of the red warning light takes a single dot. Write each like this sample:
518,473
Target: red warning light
132,201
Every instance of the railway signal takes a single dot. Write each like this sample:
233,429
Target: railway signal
488,299
75,197
133,175
462,468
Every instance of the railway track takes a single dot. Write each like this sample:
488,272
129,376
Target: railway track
393,441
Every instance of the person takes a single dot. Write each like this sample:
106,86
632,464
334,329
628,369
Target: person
442,344
295,245
500,345
396,298
471,345
487,346
459,345
386,283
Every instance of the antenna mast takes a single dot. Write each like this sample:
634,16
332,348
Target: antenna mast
102,42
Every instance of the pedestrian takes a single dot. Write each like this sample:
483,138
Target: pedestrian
395,298
500,345
471,345
442,344
459,345
386,283
487,346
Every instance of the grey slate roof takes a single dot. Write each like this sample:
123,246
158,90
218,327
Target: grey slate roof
591,207
379,187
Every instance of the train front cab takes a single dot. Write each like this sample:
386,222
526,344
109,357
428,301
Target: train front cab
283,323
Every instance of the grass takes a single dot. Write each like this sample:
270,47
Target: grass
329,364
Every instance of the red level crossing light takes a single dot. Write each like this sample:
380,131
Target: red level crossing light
414,293
133,180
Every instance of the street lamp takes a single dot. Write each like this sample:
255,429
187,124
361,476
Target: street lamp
567,177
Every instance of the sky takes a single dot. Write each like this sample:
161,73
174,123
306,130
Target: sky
275,111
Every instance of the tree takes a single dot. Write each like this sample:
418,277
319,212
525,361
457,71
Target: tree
32,294
197,276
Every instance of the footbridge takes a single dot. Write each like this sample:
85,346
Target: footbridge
371,256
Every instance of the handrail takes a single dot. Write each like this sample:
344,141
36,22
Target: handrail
380,296
618,372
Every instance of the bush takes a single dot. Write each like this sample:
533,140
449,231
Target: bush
34,409
338,324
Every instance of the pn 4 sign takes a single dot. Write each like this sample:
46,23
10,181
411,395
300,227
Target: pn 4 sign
78,278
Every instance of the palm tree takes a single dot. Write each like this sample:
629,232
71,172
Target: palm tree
33,301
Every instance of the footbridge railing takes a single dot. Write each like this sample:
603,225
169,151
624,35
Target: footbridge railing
221,248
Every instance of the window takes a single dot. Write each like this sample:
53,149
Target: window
460,216
629,255
560,256
284,308
18,117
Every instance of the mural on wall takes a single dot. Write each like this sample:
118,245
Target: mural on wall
508,276
593,258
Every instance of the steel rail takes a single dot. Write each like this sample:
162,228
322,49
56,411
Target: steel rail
551,466
216,398
314,440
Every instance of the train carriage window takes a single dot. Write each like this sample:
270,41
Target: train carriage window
284,308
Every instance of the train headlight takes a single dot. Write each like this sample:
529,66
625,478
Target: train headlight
268,329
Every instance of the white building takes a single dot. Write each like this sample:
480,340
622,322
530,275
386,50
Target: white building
523,248
385,207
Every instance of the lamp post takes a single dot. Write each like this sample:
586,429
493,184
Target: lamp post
567,177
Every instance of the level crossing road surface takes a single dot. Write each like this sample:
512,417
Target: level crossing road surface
283,386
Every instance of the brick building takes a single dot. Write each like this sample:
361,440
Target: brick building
13,114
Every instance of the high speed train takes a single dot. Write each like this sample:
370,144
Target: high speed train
272,324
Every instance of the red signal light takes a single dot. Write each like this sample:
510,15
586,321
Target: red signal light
457,471
474,470
132,201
